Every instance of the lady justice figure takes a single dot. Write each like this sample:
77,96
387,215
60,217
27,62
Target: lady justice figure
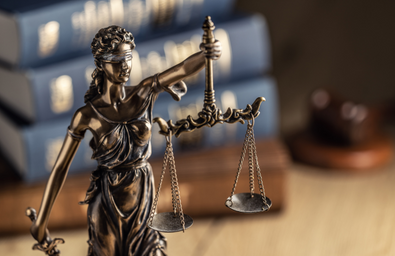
120,118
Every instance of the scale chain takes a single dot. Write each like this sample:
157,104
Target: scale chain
173,183
258,171
168,160
176,190
243,151
253,164
251,158
155,203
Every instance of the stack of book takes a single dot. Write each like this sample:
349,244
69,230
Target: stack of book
46,69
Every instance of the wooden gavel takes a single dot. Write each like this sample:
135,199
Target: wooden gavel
341,121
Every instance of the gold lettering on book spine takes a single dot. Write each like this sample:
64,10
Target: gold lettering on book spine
103,11
48,38
163,11
224,64
117,12
62,98
137,15
97,15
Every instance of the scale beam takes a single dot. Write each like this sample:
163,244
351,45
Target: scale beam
209,116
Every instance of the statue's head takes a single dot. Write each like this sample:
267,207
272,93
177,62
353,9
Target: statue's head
112,51
108,39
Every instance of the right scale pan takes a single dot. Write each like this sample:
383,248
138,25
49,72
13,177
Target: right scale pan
246,203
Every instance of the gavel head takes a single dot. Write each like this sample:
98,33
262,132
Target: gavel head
338,120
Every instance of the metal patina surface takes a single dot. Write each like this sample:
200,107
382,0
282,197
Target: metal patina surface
122,214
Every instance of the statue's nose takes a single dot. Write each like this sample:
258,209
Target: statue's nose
124,65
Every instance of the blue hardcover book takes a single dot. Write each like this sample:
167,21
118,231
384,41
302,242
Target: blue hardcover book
43,31
236,96
33,149
56,91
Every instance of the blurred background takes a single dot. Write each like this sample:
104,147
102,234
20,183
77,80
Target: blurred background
325,139
343,45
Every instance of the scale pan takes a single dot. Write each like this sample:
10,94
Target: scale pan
244,203
168,223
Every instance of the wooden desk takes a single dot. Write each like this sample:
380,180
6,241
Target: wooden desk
326,213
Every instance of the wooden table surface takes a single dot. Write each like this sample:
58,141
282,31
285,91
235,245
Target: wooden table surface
326,213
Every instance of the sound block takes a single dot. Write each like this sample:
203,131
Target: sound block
362,157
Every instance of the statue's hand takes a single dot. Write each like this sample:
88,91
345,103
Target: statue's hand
39,233
45,243
212,50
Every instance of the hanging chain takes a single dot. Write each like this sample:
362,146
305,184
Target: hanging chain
243,152
173,181
164,164
175,189
258,170
251,157
253,164
168,159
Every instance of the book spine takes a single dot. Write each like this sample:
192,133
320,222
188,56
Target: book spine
58,90
63,30
235,96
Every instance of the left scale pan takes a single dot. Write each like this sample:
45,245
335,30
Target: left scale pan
169,223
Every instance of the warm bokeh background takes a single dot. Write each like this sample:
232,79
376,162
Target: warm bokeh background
345,45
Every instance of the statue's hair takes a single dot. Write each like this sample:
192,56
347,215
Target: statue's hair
106,41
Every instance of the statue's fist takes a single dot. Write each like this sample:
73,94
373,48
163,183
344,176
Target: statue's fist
37,231
212,50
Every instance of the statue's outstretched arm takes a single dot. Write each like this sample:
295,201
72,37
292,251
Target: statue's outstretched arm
53,187
58,176
170,80
182,70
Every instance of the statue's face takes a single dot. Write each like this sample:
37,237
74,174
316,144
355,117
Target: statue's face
118,64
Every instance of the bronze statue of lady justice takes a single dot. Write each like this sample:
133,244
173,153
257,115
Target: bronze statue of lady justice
119,117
